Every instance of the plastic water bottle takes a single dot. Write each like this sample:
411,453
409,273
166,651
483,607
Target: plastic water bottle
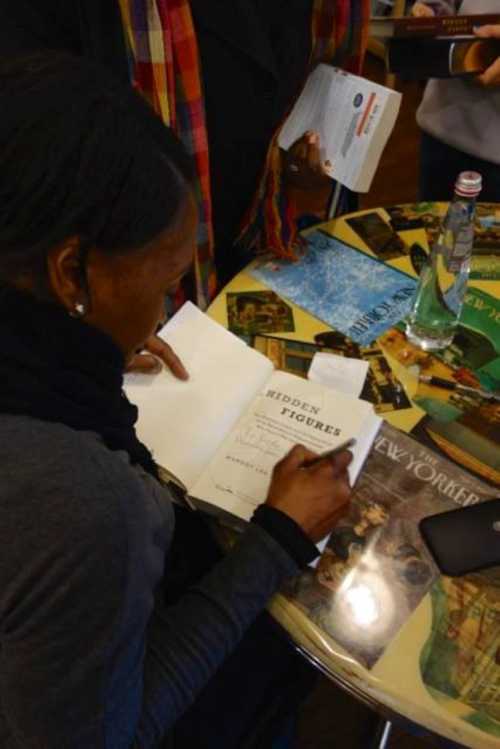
436,307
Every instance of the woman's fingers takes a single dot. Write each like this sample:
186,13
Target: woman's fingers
488,31
335,465
164,352
314,162
158,353
491,76
315,496
303,165
298,457
145,364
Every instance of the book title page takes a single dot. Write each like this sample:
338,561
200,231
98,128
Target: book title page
288,410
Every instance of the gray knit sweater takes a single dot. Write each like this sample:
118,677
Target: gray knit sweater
88,658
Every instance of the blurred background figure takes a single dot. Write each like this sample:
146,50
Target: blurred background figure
223,75
460,117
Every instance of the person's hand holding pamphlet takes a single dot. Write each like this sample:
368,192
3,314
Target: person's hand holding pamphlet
221,433
354,118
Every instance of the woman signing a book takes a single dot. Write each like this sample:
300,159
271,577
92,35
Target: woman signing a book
98,222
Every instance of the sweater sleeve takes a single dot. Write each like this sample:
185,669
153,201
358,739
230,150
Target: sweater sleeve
62,579
189,641
103,663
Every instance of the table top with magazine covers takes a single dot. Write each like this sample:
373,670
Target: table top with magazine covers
375,615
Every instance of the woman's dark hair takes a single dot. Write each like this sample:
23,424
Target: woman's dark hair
80,154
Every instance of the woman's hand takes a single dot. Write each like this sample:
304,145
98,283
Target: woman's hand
315,496
491,76
302,165
159,353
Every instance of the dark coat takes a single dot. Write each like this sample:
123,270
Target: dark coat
254,57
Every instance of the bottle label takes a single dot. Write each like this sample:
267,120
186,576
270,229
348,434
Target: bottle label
461,249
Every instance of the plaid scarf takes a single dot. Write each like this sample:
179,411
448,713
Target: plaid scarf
165,67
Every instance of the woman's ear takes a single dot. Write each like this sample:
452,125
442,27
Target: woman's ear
67,277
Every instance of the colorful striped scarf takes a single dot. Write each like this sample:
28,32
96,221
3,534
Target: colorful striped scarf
165,68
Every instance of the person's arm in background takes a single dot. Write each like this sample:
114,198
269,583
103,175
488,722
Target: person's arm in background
491,76
436,7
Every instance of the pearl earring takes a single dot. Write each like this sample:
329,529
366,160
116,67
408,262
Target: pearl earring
79,309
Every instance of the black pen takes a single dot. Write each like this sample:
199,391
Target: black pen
440,382
330,453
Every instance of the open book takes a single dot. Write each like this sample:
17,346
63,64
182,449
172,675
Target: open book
221,433
354,118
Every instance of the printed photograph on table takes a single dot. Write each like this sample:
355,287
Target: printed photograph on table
252,312
346,288
460,661
485,263
376,568
410,216
464,425
294,357
382,387
401,222
378,235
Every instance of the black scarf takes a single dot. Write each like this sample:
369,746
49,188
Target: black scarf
57,368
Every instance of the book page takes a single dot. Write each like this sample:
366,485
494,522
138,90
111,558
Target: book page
183,423
346,111
288,410
341,373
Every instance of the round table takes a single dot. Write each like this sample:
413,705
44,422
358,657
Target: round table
395,682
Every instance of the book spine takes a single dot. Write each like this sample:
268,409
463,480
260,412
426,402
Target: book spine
429,58
442,25
440,58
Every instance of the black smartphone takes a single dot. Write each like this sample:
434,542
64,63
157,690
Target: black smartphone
378,235
464,540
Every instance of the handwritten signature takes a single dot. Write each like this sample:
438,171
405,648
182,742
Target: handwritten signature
256,439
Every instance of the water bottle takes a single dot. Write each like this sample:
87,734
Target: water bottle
436,306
